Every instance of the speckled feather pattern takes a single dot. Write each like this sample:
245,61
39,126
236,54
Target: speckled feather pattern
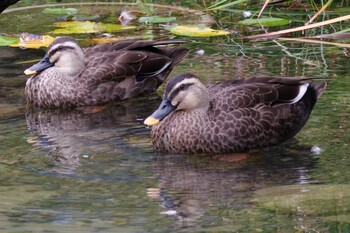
242,115
109,75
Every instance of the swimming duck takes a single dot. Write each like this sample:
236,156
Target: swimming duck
69,76
231,116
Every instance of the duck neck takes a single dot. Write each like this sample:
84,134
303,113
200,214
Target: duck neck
71,65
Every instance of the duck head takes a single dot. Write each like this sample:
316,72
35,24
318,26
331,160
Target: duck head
183,93
64,54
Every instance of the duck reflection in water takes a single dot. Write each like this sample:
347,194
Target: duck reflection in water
69,136
190,185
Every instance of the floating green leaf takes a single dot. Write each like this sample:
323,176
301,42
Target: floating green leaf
267,22
60,11
5,40
196,31
156,19
73,27
224,4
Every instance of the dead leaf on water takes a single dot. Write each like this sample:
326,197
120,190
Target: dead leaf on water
33,41
76,27
196,31
103,40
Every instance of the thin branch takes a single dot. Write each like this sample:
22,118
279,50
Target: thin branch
319,12
263,8
315,25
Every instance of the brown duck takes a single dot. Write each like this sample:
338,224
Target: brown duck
231,116
69,76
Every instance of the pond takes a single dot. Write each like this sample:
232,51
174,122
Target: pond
77,171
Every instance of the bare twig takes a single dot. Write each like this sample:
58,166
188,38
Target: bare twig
319,12
315,42
315,25
263,8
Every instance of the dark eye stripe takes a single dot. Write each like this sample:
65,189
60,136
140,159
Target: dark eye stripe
182,87
59,48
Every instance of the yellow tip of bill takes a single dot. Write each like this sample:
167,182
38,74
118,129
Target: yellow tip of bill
29,72
151,121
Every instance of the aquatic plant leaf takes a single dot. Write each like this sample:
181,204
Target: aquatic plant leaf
5,40
266,22
156,19
60,11
103,40
43,41
196,31
110,27
224,4
74,27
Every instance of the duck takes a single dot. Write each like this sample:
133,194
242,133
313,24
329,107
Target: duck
231,116
69,76
6,3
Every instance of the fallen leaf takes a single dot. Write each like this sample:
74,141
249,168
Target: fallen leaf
33,41
196,31
72,27
103,40
76,27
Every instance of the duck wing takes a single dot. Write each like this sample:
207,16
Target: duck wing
260,112
124,70
254,92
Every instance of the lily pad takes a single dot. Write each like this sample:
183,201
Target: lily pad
156,19
196,31
5,40
266,22
60,11
73,27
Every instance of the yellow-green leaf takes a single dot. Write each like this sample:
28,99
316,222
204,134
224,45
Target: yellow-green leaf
5,40
156,19
72,27
103,40
266,22
196,31
60,10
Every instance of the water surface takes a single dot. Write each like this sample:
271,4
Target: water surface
76,171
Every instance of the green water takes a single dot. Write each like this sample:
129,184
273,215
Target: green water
71,171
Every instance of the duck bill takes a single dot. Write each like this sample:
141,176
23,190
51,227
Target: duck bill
164,109
38,67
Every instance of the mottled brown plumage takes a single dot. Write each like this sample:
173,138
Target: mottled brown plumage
69,76
231,116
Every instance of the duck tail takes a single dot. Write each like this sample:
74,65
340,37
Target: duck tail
319,88
177,55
